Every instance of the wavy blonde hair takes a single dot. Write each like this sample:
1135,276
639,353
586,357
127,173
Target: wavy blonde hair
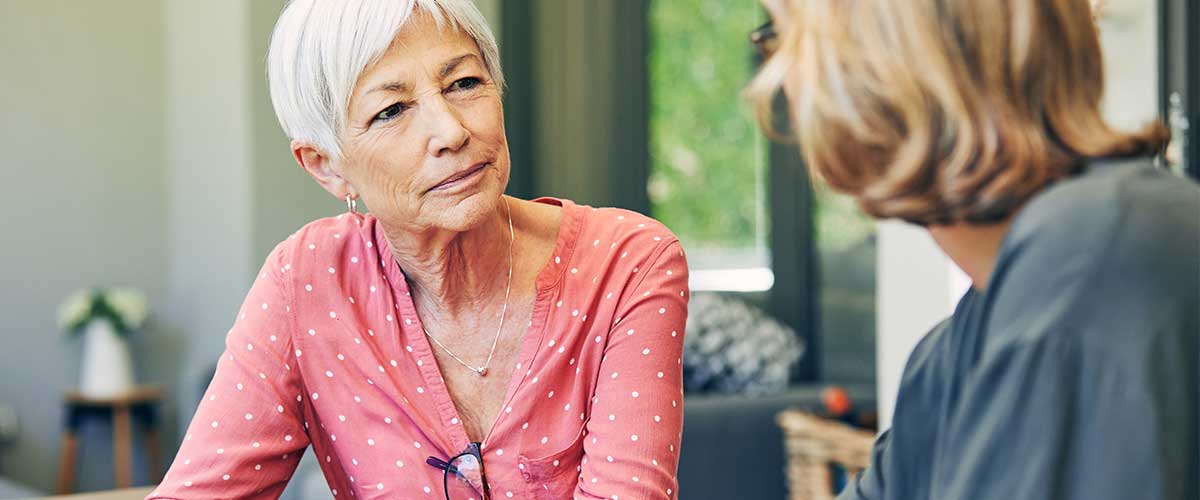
942,111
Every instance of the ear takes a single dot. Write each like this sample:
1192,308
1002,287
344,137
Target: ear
322,169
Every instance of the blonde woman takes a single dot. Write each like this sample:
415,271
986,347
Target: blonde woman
1069,370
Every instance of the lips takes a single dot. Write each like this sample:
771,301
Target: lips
461,175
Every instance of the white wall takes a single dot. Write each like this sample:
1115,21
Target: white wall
1128,32
917,287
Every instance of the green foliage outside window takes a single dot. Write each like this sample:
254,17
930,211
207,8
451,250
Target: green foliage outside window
708,160
706,153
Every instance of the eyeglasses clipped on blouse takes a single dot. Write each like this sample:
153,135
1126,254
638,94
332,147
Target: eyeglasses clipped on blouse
462,476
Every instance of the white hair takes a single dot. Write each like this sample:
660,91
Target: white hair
320,48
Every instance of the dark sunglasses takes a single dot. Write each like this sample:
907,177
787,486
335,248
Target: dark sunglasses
765,39
462,475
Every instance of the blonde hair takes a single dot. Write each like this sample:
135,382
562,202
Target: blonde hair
942,111
320,48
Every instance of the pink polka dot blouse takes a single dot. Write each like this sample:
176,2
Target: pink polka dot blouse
328,352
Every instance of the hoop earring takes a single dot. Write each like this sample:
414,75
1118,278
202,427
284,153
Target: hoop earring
352,204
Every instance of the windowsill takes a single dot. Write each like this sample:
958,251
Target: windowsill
755,279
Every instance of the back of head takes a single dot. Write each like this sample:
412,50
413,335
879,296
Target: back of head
943,111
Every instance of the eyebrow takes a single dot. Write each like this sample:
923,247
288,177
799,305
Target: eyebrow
452,64
395,86
446,69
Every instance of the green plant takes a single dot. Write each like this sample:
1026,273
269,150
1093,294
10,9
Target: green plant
125,308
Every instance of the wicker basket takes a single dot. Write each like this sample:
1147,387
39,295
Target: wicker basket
812,445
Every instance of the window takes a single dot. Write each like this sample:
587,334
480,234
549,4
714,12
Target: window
710,183
708,160
846,251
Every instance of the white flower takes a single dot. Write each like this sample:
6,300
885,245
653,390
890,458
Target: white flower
75,310
129,304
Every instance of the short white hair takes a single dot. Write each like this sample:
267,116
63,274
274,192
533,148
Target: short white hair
320,48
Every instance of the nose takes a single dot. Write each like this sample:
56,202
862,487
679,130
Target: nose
447,132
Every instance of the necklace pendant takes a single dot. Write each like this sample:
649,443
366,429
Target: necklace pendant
482,371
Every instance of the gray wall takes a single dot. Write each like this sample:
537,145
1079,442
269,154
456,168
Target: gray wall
82,198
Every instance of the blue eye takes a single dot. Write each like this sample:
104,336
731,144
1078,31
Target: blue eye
390,112
466,83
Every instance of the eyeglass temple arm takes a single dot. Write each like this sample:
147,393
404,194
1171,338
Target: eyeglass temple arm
441,464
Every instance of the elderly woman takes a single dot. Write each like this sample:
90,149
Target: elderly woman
1069,370
456,342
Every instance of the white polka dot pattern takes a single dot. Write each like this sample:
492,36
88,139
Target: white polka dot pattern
327,352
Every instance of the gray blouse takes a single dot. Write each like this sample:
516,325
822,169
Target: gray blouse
1074,376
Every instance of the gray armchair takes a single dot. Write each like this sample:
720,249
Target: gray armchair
733,447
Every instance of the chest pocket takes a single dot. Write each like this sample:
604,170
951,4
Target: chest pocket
553,477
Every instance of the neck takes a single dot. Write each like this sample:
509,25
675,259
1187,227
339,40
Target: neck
452,272
974,248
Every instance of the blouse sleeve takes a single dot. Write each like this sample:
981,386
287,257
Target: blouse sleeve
248,433
631,449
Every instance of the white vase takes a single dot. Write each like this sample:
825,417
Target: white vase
107,369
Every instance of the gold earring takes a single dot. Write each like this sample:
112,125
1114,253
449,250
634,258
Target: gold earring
352,204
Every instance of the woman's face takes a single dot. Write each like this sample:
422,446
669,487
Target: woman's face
424,144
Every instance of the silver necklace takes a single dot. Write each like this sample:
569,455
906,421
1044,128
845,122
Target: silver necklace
482,371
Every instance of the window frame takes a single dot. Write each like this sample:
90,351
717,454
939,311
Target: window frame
1179,70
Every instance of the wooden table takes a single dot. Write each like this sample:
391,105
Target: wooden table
127,494
142,402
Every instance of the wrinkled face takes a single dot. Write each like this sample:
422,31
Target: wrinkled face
424,144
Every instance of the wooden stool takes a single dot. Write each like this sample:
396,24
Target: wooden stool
142,402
